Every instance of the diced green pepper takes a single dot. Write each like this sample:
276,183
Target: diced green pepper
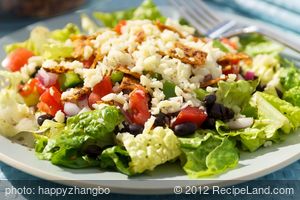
200,93
69,80
169,89
117,76
218,44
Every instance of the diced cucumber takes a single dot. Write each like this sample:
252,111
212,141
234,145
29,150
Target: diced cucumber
69,80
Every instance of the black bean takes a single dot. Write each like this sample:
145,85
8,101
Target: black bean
161,119
135,129
208,77
92,150
209,123
260,88
229,114
42,118
279,93
216,111
184,129
209,100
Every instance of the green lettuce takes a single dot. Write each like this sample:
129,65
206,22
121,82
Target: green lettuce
65,33
50,45
274,118
65,145
235,95
116,157
290,77
292,113
293,96
147,10
206,155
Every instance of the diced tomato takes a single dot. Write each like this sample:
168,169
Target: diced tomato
118,27
231,69
230,43
88,63
31,86
50,101
100,90
138,104
17,59
191,114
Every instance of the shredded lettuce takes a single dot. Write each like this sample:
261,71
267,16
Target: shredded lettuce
147,10
207,154
235,95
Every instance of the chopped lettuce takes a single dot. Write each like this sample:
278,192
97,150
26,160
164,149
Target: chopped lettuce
292,113
147,10
66,146
267,47
65,33
15,115
207,154
274,117
116,157
293,96
50,45
267,111
235,95
149,150
290,77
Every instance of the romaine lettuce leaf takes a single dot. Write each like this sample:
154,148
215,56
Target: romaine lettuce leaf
208,155
235,95
293,96
148,150
290,77
292,113
65,146
65,33
116,157
147,10
50,45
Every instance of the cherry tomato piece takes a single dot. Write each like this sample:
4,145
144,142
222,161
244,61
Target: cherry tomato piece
191,114
17,59
138,104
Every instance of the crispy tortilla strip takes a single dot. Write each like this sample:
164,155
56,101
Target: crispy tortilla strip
75,94
129,83
57,69
231,58
163,27
127,71
79,42
211,82
190,55
98,57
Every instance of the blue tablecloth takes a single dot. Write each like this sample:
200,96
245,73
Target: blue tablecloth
288,10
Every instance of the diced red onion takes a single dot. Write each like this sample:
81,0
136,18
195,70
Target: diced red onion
249,75
240,123
47,78
71,109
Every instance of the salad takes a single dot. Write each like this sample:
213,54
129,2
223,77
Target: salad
145,90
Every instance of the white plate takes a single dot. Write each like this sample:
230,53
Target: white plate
251,165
